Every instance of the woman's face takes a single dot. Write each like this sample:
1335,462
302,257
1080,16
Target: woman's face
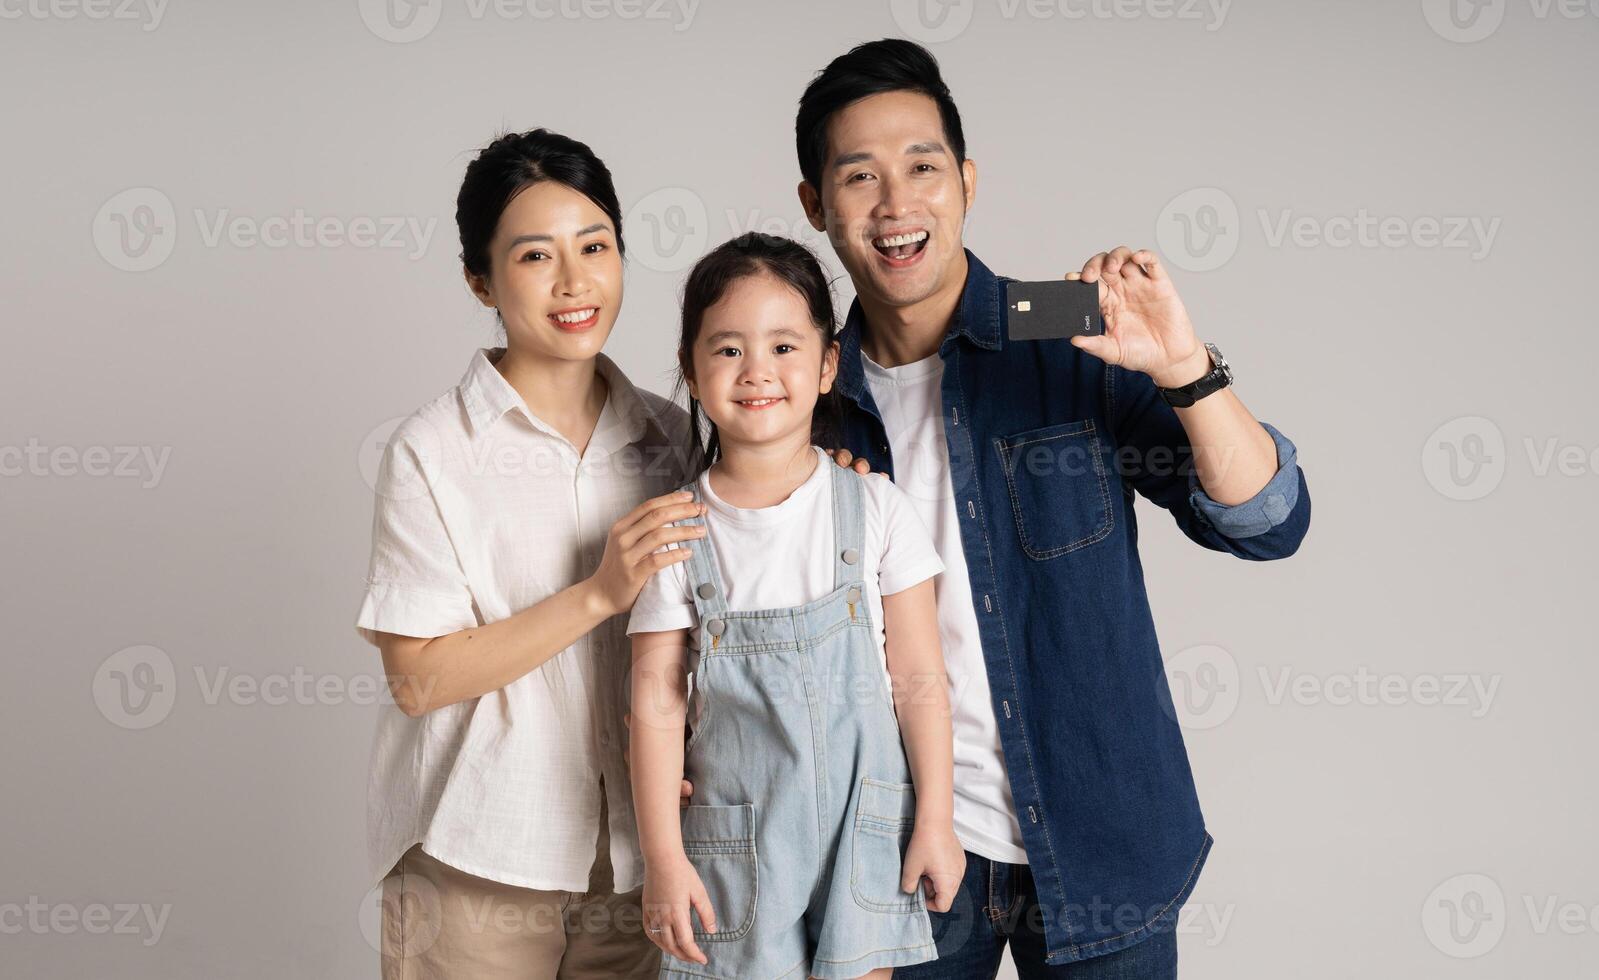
555,274
759,363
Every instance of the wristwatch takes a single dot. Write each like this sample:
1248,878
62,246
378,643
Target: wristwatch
1220,376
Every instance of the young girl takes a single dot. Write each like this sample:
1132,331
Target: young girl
811,826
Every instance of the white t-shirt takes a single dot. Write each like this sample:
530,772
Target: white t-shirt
911,402
896,554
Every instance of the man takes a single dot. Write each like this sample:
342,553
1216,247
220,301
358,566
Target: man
1074,798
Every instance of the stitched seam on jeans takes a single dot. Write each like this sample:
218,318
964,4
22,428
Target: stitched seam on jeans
886,949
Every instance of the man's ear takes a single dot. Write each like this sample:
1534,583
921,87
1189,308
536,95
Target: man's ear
969,181
829,367
479,286
811,201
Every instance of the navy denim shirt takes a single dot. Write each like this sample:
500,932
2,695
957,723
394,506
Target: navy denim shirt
1047,445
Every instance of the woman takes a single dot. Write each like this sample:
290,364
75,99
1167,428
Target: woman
517,515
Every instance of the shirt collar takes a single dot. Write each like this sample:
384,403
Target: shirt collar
977,318
487,397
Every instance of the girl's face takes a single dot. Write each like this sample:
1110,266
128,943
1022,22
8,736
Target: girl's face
555,274
759,364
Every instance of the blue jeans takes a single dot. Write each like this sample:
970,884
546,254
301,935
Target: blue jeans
997,904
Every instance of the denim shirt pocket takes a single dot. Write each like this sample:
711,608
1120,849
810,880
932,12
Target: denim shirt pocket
1059,487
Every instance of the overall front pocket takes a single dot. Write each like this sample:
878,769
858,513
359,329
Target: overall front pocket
1059,487
720,843
884,818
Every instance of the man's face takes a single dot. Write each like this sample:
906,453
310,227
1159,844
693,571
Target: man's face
892,198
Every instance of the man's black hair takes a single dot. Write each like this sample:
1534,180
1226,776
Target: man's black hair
889,65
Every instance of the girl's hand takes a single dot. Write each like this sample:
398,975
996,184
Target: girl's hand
630,557
934,853
669,891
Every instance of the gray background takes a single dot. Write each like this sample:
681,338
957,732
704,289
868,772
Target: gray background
1406,829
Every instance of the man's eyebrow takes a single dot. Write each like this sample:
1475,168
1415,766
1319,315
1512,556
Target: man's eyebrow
540,237
915,149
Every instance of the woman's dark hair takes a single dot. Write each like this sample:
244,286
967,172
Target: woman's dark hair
754,254
510,165
889,65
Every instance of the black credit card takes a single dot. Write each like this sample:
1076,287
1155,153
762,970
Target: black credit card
1053,309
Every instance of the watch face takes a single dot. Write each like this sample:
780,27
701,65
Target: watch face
1221,362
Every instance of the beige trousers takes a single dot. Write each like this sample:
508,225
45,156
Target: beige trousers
440,923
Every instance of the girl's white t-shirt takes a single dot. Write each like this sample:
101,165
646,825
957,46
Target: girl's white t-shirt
781,556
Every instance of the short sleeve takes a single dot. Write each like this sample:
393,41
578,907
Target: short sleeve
664,603
415,583
909,556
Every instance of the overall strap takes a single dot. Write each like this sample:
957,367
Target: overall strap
849,524
702,568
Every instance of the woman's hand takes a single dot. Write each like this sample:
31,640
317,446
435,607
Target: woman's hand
934,853
669,891
630,548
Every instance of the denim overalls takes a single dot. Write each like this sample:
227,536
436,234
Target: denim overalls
803,801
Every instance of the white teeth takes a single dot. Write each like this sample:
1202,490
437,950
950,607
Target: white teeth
577,317
893,241
759,401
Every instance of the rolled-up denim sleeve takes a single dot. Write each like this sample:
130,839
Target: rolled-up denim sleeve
1268,508
1268,526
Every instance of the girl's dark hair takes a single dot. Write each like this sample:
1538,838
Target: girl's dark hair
748,255
510,165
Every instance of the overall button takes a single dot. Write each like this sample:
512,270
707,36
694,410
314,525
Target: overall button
851,556
715,627
706,590
854,594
